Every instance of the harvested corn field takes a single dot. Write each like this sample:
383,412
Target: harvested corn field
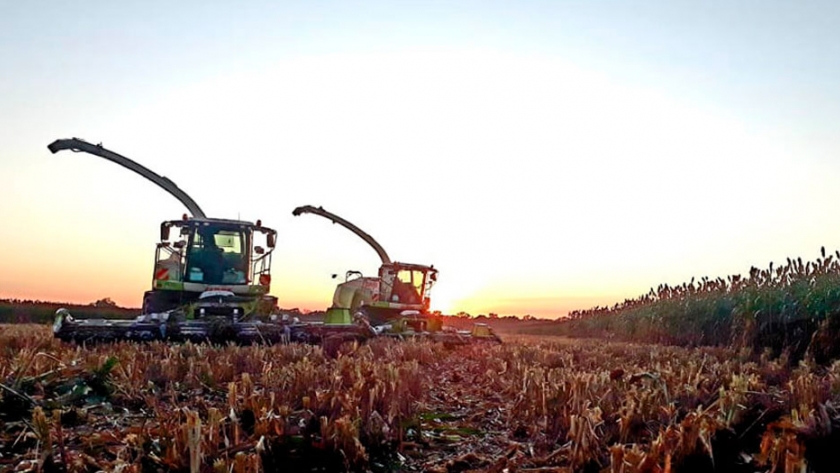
532,404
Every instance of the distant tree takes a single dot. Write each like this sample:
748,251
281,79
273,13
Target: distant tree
105,303
493,315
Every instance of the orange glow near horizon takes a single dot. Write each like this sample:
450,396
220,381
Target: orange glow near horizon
124,297
132,298
541,308
125,285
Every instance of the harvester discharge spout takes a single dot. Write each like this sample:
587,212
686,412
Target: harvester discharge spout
77,145
383,255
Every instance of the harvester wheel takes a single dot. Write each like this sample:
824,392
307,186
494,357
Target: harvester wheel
332,344
155,302
266,306
362,318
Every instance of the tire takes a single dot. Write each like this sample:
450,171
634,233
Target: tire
155,302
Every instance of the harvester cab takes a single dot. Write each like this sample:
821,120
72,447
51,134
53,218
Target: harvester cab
405,286
207,254
378,300
209,279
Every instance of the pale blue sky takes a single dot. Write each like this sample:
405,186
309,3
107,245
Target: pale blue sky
774,61
579,152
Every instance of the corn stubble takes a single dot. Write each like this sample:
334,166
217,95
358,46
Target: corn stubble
535,403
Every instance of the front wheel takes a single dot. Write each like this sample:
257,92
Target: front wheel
156,302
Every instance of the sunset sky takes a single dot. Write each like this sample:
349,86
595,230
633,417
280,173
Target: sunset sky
545,156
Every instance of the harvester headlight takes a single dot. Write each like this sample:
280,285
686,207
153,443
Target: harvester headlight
235,311
201,312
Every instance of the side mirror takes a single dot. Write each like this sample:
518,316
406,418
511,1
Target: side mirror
259,250
433,276
334,276
271,240
164,232
179,244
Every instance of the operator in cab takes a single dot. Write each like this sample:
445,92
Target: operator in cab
206,259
